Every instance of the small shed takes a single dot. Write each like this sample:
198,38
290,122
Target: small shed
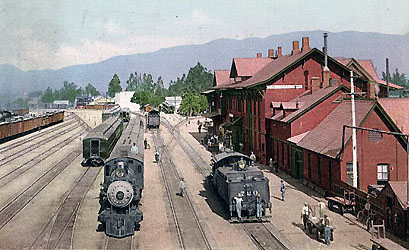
394,197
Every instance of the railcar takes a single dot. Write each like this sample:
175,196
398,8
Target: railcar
112,112
14,126
123,183
153,119
230,180
98,144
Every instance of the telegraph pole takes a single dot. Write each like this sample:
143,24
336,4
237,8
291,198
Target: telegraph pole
354,153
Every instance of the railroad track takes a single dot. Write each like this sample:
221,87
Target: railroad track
261,236
189,229
12,208
34,161
17,154
112,243
36,136
58,232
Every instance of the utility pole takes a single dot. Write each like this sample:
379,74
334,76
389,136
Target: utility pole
354,153
387,77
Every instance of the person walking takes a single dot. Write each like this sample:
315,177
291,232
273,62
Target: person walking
271,164
199,127
282,190
327,230
134,149
259,207
238,199
305,214
253,158
156,156
182,187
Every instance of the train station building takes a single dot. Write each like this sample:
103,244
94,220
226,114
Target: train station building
293,109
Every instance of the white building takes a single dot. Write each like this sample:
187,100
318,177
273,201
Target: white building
124,100
174,101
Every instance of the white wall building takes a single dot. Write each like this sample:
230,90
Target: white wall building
174,101
124,100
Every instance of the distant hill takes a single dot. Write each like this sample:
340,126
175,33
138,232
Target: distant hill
173,62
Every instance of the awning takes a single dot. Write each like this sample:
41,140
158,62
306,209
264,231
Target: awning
208,91
211,114
229,124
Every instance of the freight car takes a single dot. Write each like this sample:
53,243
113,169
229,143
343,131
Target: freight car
153,119
98,144
233,175
14,126
121,190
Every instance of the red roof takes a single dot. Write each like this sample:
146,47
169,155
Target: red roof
306,100
326,138
250,66
398,110
270,69
401,191
222,77
369,68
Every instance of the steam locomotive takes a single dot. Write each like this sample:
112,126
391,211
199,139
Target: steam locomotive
123,183
230,179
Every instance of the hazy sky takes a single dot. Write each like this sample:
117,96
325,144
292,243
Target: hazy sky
38,34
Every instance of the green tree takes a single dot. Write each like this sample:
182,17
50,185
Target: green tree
396,78
48,96
197,80
193,104
91,90
114,86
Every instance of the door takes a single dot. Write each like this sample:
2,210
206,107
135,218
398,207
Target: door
94,148
297,163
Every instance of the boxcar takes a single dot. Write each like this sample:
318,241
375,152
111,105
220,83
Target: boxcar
98,144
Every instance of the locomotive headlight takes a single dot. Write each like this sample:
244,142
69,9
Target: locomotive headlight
120,193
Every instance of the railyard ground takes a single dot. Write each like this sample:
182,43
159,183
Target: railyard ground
157,230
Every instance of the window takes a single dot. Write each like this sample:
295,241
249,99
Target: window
350,176
383,173
309,166
319,169
282,154
288,156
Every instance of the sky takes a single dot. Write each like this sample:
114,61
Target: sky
41,34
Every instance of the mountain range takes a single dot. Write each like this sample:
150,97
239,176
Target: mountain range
171,63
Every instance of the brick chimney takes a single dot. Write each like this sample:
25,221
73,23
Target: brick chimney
296,47
315,83
305,44
259,55
279,52
271,53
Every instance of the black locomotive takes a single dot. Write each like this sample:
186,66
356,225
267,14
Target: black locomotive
153,119
121,190
234,176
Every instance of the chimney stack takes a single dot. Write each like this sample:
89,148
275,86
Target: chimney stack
326,74
296,47
305,44
271,53
259,55
279,52
325,50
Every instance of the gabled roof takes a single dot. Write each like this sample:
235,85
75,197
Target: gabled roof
248,66
398,110
369,69
401,191
221,77
307,101
326,138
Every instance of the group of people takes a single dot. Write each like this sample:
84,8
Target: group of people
306,212
259,202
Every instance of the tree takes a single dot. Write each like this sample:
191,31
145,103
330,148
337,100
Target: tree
193,104
396,78
48,96
91,90
114,86
197,80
